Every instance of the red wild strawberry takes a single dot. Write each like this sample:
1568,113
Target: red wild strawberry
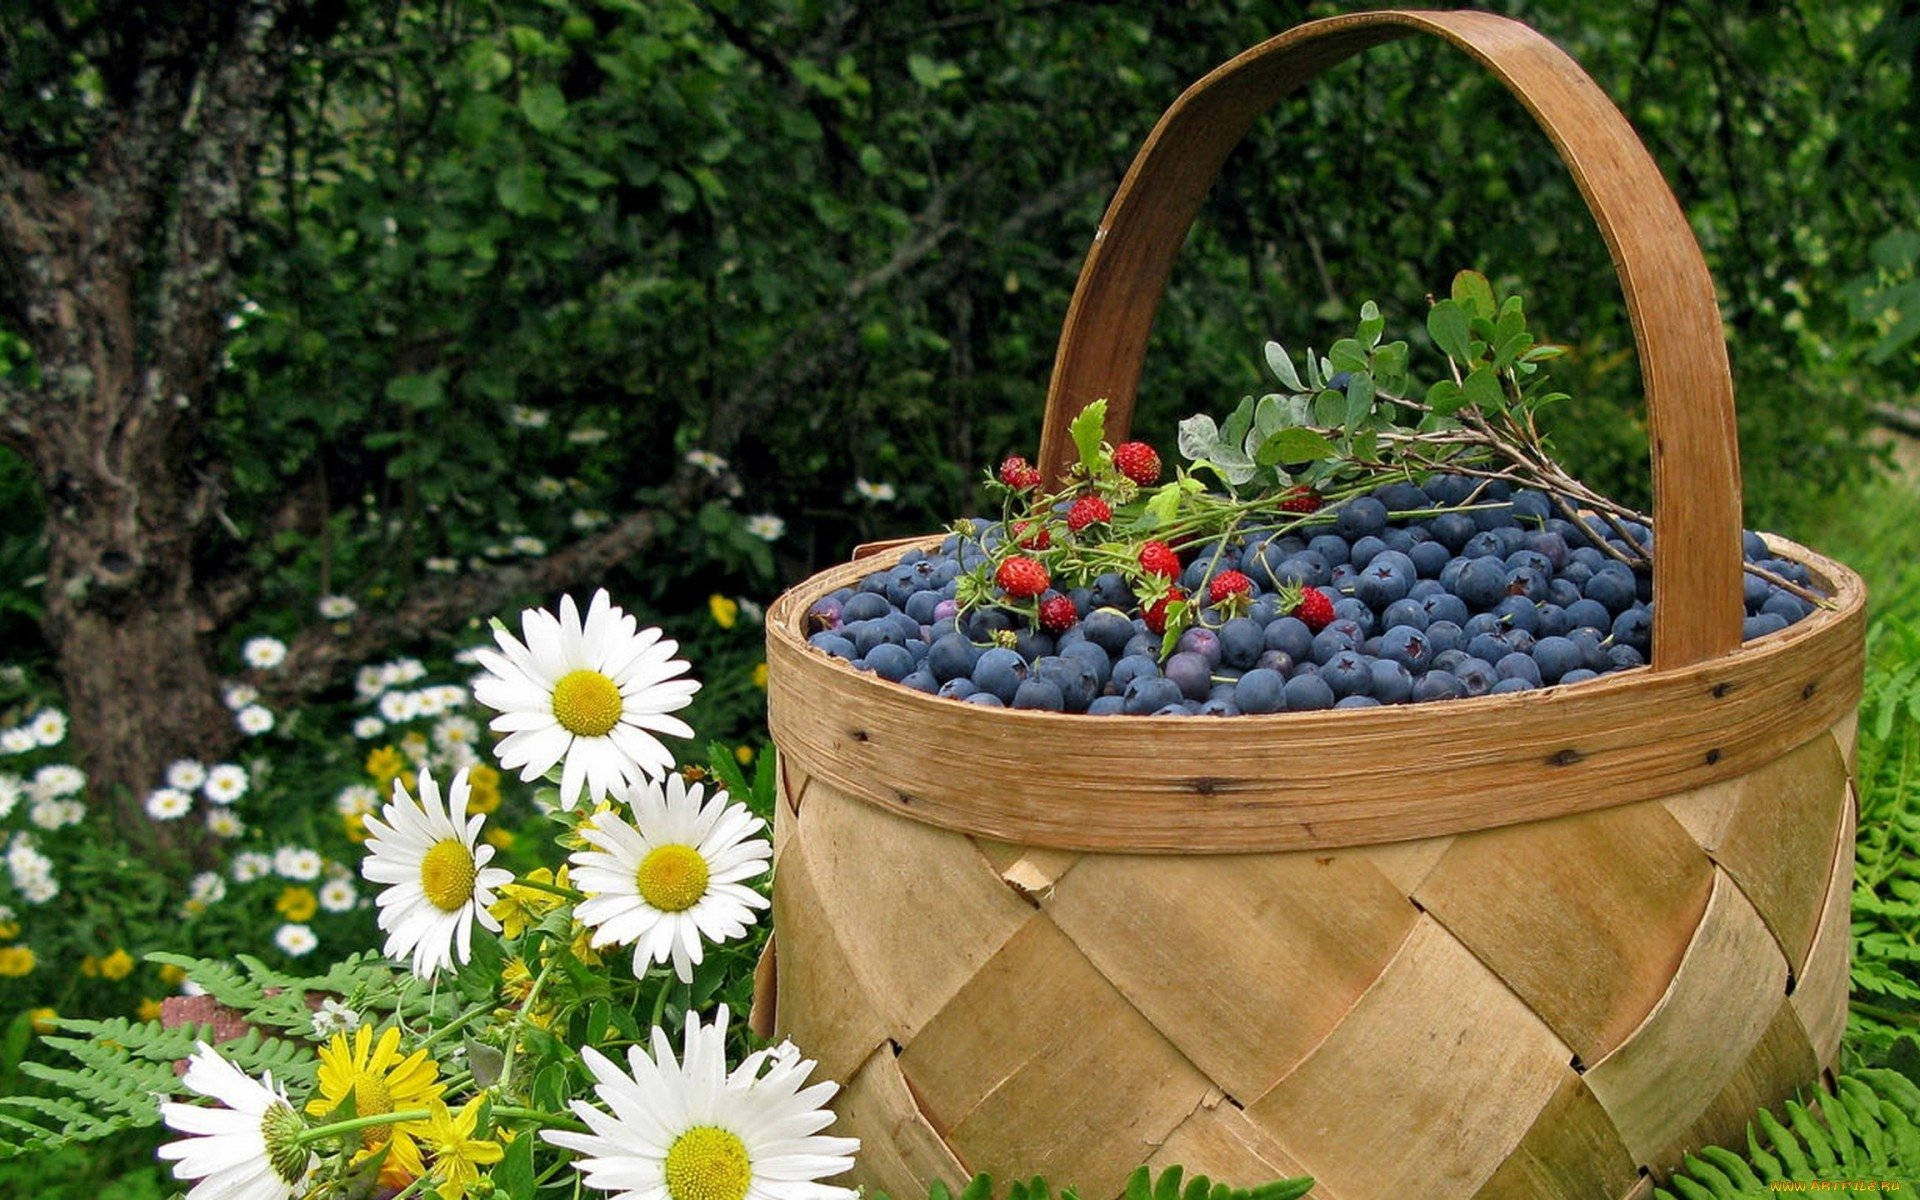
1300,500
1019,474
1155,614
1088,510
1138,462
1228,583
1031,535
1158,558
1057,614
1022,578
1314,609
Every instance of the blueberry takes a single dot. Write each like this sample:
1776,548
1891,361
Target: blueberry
1093,658
1553,620
1531,507
1451,530
1578,675
826,614
1623,657
1429,558
1331,641
1786,605
922,681
1476,675
1613,588
1217,707
1192,673
1555,656
1518,612
1480,623
1518,639
1402,497
985,699
1032,644
1132,667
1177,710
1391,683
1489,646
1405,612
1077,683
1753,546
1378,586
1497,516
981,624
1590,614
1000,671
1110,590
958,689
1754,591
1263,561
1593,645
1260,691
1762,625
952,657
920,606
1445,635
1150,694
1482,582
1332,549
1364,551
1144,643
946,610
1519,666
1241,642
864,607
1306,692
1515,683
1348,674
1108,628
1039,693
1347,608
1449,660
1448,489
1437,685
874,584
1204,642
1360,516
1107,706
1445,607
1291,636
1408,646
833,644
1486,544
1634,628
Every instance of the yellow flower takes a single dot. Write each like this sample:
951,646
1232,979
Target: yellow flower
16,961
43,1019
385,765
90,967
516,980
498,838
296,903
725,611
483,788
457,1154
760,676
149,1009
582,945
117,965
377,1080
743,754
520,906
355,825
9,929
173,976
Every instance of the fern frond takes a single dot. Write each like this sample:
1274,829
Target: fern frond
1141,1185
1864,1131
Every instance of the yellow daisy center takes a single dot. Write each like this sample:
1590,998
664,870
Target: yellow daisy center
372,1099
587,703
672,879
706,1163
446,876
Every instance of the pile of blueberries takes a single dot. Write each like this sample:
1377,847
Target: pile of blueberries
1498,599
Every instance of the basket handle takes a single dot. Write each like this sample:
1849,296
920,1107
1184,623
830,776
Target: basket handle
1669,293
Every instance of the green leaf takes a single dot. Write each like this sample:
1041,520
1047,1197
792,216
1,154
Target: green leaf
1234,433
1282,367
1473,293
930,74
521,188
1329,408
1371,324
1088,428
1163,505
1197,437
1347,355
419,392
1482,388
1359,402
1294,445
514,1174
543,106
1447,324
1445,398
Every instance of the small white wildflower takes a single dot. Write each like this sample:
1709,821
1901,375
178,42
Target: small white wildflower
12,787
168,804
337,608
187,774
239,695
221,823
548,488
17,741
49,727
399,706
295,940
334,1017
455,731
207,887
254,720
527,544
443,566
587,518
368,683
226,783
877,493
766,527
356,799
58,779
39,891
707,461
264,653
296,862
528,418
586,435
338,896
369,727
249,865
751,611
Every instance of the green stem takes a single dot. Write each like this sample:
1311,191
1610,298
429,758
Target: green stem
526,1010
355,1124
1891,1016
455,1025
555,1120
553,889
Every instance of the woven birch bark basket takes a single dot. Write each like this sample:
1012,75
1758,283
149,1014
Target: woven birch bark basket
1534,945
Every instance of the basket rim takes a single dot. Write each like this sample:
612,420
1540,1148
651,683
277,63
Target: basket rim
1076,782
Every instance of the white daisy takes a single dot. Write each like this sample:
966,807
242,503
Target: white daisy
766,527
586,435
689,1130
264,653
877,493
527,544
369,727
58,779
254,720
337,608
548,488
245,1148
49,727
527,418
593,694
18,740
221,823
249,865
226,783
39,890
207,887
338,896
168,804
186,774
239,695
12,787
48,814
707,461
455,731
296,862
438,881
399,706
295,940
672,878
356,799
333,1017
443,566
587,518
